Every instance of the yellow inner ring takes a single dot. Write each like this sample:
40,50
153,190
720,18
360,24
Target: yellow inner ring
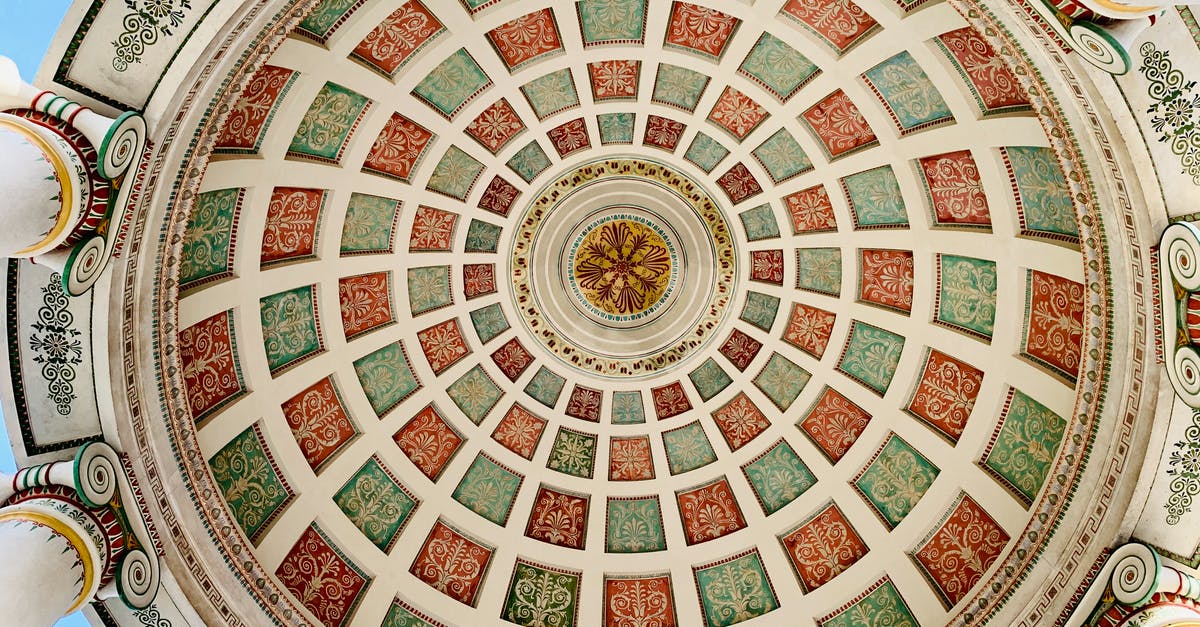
77,542
64,181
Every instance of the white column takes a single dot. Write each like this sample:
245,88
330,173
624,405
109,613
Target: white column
51,563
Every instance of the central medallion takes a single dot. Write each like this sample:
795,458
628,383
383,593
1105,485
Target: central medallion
623,267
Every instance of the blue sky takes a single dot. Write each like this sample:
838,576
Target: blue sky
26,28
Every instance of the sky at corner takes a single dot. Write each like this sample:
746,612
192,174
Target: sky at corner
26,28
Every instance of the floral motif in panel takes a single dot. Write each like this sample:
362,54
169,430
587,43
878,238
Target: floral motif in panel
819,270
709,511
615,79
482,237
809,329
700,29
871,356
955,189
627,408
634,525
489,322
887,278
432,230
967,294
615,128
319,422
366,302
956,555
401,614
211,374
520,431
612,21
325,129
705,152
526,38
811,210
250,481
558,518
443,345
569,137
1025,444
321,578
488,489
679,87
737,113
875,198
760,310
398,149
293,220
839,125
289,327
881,604
1043,197
739,184
529,161
781,380
479,279
778,476
428,289
475,394
376,503
545,387
842,23
248,119
709,379
455,174
496,126
759,223
551,93
767,266
834,424
1054,330
946,395
386,377
399,36
499,196
778,67
629,459
512,359
740,421
429,442
670,400
452,84
909,95
663,132
895,480
734,589
369,225
995,87
327,17
585,403
452,563
542,596
643,601
687,448
823,547
740,349
782,157
208,253
574,453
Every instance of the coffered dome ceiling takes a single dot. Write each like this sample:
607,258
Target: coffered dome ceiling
632,313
